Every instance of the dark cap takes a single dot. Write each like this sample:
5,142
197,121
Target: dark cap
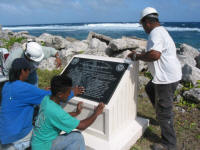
21,63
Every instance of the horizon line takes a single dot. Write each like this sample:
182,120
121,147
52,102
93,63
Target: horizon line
95,23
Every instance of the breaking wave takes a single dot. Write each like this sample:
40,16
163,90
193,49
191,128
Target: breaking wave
94,26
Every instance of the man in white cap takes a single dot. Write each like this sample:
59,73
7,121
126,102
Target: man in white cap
166,71
34,53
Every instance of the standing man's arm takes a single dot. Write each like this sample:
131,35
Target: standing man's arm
149,56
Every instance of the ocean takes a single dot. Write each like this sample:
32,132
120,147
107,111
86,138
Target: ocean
181,32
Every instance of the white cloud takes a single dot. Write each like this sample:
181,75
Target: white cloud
7,7
76,4
112,1
20,5
104,4
13,9
192,3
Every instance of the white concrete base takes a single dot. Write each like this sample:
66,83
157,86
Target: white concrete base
124,139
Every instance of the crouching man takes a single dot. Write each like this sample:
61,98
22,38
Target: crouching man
53,119
18,101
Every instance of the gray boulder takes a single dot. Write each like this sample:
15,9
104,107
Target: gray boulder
101,37
1,43
70,39
48,64
96,47
142,66
45,37
21,33
0,29
25,34
142,81
66,55
180,109
96,52
16,45
5,35
197,85
123,44
190,54
197,61
141,42
190,73
178,92
8,32
178,98
122,54
192,95
57,42
179,87
60,43
79,46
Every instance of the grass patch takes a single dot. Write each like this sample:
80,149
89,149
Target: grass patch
45,77
185,103
186,125
136,148
9,43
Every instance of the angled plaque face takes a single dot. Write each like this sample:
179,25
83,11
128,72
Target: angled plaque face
99,78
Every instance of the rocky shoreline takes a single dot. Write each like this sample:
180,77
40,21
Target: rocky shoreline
101,45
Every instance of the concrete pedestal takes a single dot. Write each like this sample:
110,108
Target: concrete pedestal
118,127
124,140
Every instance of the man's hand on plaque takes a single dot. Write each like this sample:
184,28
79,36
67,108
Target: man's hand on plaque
99,108
79,107
78,90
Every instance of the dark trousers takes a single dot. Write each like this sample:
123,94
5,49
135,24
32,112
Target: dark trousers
161,96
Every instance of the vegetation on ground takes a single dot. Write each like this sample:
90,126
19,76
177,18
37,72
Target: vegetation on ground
9,43
45,77
186,122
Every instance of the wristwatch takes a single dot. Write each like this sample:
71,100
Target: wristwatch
134,56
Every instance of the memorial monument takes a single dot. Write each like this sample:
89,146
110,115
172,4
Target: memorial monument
112,81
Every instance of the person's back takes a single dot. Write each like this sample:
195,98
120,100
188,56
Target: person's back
53,119
167,69
18,100
17,109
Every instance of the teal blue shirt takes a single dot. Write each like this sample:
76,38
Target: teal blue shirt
51,121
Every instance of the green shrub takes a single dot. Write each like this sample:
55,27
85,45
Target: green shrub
188,85
9,43
176,93
43,43
185,103
148,75
198,82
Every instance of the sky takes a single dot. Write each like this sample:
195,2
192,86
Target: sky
19,12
